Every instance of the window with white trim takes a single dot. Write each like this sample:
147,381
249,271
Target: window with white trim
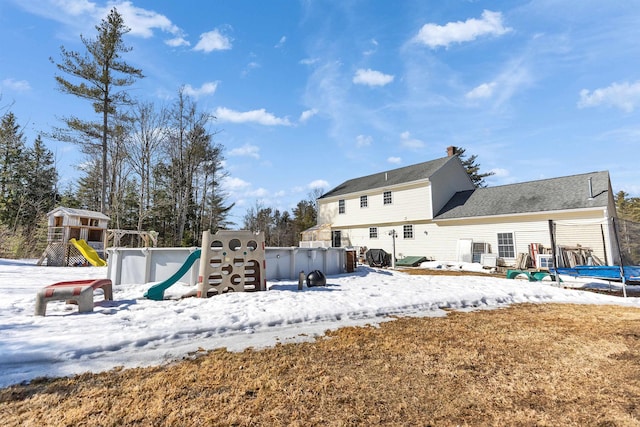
364,201
407,231
341,208
386,198
506,246
373,232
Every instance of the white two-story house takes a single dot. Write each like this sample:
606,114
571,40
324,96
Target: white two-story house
435,211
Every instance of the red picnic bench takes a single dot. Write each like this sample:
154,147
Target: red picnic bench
77,291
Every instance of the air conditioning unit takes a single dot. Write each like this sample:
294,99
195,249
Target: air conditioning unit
479,248
489,260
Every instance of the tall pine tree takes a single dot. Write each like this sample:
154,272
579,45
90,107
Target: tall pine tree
12,169
40,184
99,73
472,167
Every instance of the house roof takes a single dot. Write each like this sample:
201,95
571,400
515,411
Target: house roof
389,178
569,192
78,212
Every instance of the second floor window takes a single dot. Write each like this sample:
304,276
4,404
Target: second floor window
364,202
386,198
341,208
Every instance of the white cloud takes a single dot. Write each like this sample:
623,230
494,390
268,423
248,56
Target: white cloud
434,35
500,172
412,143
208,88
235,184
76,7
394,160
306,115
624,96
250,66
318,183
83,14
213,40
142,21
246,150
373,50
372,78
16,85
309,61
485,90
258,192
254,116
281,42
513,79
363,141
177,42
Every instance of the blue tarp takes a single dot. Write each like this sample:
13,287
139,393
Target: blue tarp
605,272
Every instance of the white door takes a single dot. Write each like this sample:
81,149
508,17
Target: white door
464,250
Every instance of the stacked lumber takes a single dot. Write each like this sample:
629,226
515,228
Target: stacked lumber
570,256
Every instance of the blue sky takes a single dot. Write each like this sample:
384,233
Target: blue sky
309,93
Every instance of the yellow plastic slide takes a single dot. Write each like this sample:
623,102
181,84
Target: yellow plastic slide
89,253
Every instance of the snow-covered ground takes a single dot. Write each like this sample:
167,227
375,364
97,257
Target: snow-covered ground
133,331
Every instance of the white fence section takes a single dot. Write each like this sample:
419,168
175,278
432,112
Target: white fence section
287,263
144,265
315,244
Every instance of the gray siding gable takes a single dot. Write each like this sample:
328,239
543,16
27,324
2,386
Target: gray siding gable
555,194
404,175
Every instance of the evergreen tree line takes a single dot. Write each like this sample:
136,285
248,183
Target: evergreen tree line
628,226
164,173
28,179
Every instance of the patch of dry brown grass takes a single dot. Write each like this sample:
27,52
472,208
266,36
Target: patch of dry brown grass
524,365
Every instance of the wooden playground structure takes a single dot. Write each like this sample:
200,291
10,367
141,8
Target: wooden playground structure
77,237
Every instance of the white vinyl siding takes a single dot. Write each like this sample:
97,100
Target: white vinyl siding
584,229
446,182
439,242
409,204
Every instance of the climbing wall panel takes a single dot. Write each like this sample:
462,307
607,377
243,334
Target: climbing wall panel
231,261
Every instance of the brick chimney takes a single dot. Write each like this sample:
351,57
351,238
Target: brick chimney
451,150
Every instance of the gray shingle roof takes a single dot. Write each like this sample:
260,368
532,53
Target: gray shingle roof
569,192
389,178
79,212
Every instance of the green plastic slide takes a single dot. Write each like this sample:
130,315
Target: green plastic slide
156,292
